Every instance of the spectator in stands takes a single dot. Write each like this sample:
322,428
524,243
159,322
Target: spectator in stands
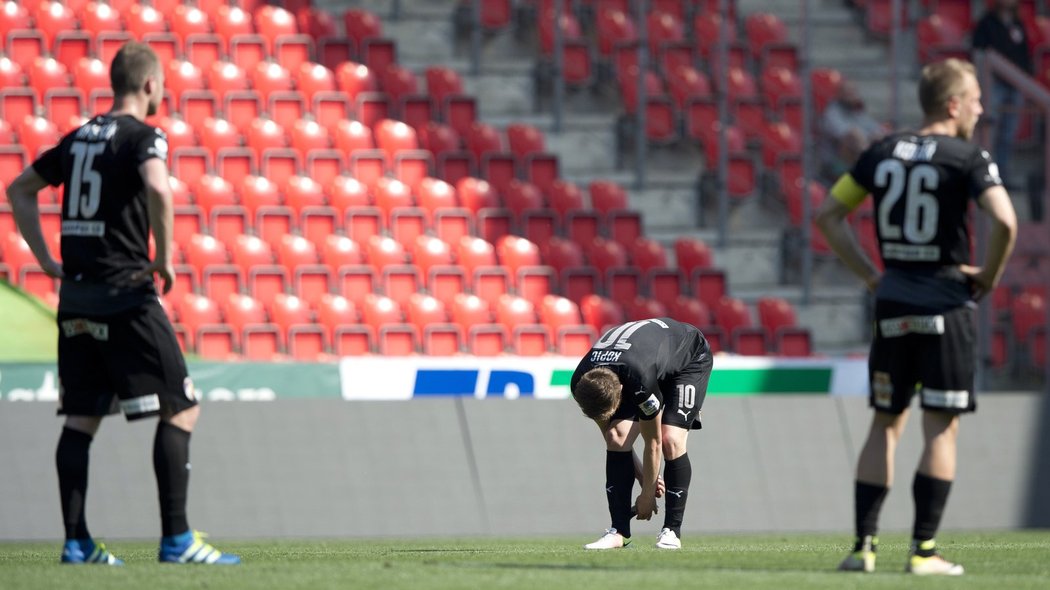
1001,30
847,129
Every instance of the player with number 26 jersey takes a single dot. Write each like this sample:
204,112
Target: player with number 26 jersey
649,378
922,187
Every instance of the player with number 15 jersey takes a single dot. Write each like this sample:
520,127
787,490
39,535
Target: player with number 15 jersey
105,218
645,377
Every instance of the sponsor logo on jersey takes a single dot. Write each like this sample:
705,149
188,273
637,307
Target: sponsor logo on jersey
77,327
605,356
650,406
159,149
910,252
85,229
912,324
882,388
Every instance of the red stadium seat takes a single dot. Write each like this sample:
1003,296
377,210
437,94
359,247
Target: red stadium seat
36,134
763,29
272,22
793,341
52,18
750,341
230,21
361,25
259,193
71,47
292,51
46,73
345,192
266,283
296,251
141,20
313,79
731,314
355,79
709,285
689,310
13,16
269,78
601,313
692,254
775,313
642,308
308,136
250,251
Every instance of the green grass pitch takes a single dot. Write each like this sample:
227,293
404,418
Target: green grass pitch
1002,560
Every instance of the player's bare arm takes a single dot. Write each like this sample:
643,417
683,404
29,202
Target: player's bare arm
22,195
161,220
651,459
996,203
661,487
831,219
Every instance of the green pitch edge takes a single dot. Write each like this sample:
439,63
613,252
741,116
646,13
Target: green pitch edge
741,382
27,327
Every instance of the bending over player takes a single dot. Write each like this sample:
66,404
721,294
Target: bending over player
647,377
925,315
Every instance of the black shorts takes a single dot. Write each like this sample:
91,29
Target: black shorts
932,354
683,396
127,362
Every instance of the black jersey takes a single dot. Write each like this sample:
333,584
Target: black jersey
105,220
923,186
646,355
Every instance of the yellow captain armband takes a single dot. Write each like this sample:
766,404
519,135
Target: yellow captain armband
848,192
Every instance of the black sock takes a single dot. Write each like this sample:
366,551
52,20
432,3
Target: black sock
171,464
619,483
71,461
930,496
867,502
677,475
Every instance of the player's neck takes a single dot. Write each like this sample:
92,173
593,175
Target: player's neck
129,105
939,128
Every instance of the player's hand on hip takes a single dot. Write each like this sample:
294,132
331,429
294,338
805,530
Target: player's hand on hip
980,282
165,271
52,268
646,505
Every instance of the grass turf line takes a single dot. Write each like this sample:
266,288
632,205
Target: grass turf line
1014,560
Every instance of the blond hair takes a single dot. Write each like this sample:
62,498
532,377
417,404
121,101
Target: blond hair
940,82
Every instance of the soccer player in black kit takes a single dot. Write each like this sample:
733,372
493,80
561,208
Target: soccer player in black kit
645,377
116,347
925,312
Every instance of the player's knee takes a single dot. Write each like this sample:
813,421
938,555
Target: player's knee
674,445
185,419
86,424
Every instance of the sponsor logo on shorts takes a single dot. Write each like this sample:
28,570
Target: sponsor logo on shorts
882,388
912,324
650,406
77,327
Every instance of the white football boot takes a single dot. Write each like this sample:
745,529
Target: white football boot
610,540
667,539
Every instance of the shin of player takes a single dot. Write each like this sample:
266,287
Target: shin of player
925,301
631,394
117,350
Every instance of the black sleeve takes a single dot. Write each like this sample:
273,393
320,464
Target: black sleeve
49,165
983,173
152,143
646,397
863,171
